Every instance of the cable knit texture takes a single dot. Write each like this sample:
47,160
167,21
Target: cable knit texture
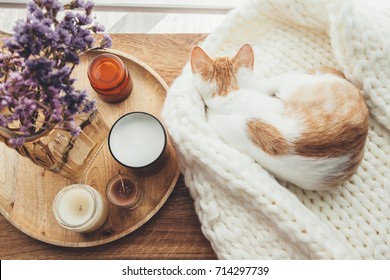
244,211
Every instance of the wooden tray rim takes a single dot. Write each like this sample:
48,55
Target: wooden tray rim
114,237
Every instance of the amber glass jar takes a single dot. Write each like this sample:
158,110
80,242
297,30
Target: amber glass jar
110,78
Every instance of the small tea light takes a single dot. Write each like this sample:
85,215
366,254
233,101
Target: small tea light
123,192
80,208
110,78
137,140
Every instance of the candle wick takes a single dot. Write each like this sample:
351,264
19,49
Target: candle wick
123,185
81,207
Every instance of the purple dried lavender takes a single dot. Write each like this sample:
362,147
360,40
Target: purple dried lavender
36,64
106,42
17,141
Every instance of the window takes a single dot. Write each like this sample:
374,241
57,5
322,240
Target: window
141,16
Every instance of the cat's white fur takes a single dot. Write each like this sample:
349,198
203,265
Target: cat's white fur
228,116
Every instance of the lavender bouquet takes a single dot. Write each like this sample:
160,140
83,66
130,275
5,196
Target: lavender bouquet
36,90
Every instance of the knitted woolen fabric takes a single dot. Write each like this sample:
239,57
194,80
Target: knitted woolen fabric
244,211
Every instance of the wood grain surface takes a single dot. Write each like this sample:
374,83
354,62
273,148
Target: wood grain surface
174,232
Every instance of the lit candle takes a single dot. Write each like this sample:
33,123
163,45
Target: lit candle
123,191
80,208
137,140
110,78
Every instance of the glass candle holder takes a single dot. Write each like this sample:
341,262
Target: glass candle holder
124,192
80,208
110,78
138,141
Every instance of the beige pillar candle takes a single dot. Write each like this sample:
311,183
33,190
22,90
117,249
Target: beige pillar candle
80,208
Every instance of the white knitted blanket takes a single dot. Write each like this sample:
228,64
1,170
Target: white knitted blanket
244,211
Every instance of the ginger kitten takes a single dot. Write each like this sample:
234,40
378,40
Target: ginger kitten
306,128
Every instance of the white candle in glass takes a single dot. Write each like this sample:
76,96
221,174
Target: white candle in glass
80,208
137,140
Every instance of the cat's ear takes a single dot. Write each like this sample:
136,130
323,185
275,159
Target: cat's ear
200,61
244,57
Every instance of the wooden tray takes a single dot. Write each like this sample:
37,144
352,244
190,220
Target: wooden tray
27,191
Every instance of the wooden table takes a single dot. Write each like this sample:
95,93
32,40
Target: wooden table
174,232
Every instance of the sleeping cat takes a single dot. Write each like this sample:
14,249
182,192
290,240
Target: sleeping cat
306,128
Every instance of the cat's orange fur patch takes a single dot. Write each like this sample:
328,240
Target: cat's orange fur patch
222,73
267,137
339,131
221,70
334,131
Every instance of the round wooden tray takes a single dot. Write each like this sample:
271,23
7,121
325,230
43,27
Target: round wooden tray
27,191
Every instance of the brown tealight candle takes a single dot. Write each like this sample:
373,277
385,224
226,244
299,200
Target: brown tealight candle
123,191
